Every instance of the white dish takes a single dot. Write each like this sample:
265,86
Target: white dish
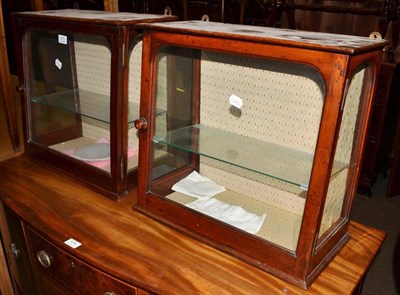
93,152
205,188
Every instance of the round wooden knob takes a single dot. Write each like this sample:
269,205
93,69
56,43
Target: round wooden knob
141,124
20,88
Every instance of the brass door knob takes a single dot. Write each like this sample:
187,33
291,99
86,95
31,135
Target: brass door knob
14,250
44,258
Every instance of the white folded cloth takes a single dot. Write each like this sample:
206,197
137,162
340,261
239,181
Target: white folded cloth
197,186
233,215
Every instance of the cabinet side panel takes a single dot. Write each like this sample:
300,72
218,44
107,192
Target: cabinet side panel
337,187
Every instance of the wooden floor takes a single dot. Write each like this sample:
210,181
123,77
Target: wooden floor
6,150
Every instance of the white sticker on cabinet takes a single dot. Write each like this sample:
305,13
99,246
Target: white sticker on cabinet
72,243
62,39
58,63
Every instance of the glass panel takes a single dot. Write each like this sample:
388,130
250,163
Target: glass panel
135,66
238,135
346,142
69,94
175,71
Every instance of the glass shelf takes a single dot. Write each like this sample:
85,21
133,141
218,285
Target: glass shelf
85,103
279,162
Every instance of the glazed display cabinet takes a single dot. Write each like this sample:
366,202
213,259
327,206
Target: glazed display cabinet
80,80
251,138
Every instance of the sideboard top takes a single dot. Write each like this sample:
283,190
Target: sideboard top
140,251
324,41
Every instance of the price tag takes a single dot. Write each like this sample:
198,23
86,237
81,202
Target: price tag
62,39
72,243
236,101
58,63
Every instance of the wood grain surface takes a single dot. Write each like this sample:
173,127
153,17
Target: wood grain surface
142,252
6,93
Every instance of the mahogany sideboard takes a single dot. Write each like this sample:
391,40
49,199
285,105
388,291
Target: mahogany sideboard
124,252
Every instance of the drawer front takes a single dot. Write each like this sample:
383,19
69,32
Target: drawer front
54,267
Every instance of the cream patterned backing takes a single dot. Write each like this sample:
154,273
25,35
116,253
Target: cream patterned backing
93,68
255,186
161,103
350,113
282,103
135,68
93,64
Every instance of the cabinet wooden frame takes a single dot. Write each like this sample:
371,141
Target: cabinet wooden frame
119,32
336,64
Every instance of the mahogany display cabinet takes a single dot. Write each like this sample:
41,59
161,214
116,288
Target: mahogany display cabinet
80,83
251,138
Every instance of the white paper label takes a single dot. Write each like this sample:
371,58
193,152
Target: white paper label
72,243
62,39
236,101
58,64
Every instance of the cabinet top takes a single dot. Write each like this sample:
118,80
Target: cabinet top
97,16
140,251
323,41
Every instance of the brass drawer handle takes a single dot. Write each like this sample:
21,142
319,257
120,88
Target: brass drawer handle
109,293
14,250
44,258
